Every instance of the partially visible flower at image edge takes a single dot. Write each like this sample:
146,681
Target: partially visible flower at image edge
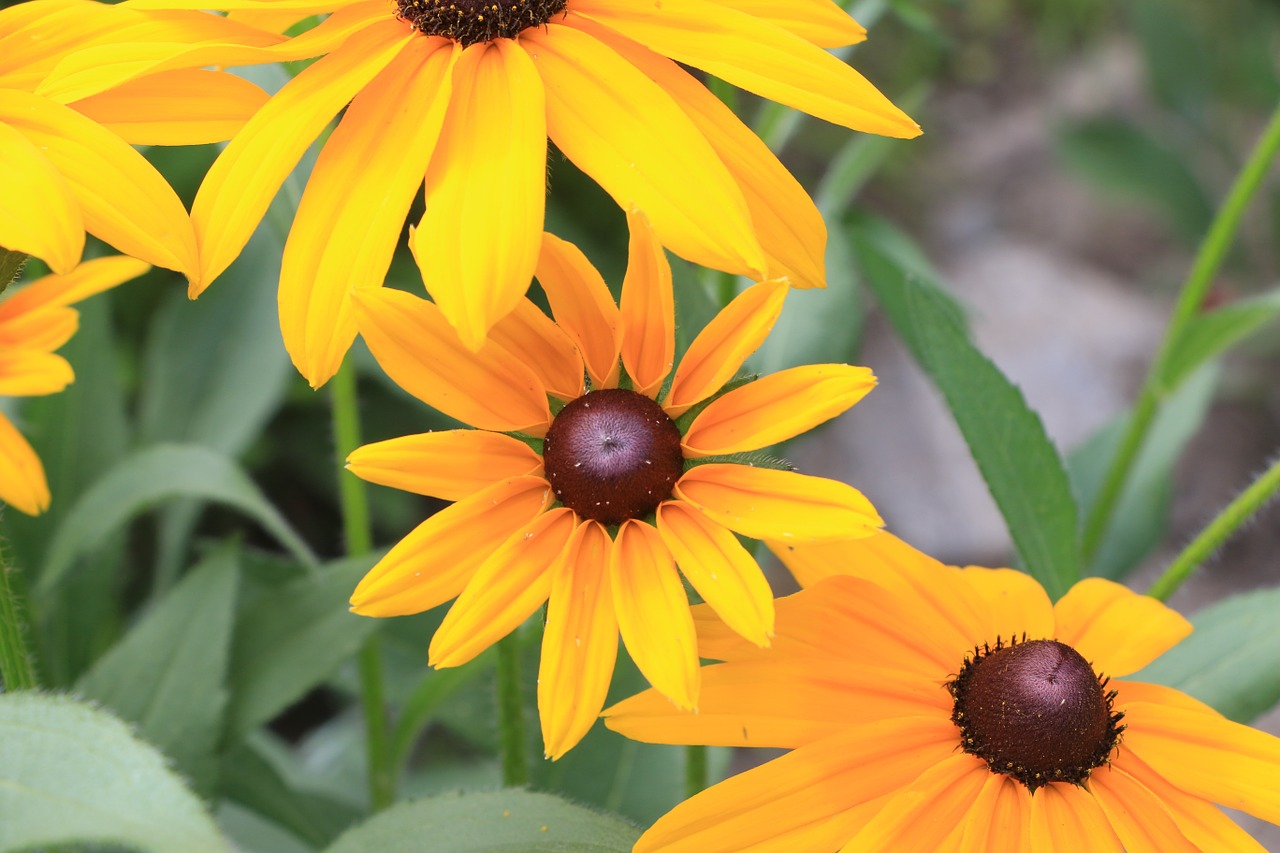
35,320
590,499
934,708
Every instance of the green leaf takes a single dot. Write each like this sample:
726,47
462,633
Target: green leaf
168,674
1212,334
70,773
1017,460
1232,661
511,821
146,479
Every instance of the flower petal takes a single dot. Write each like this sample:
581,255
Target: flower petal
31,373
1000,820
1116,629
757,56
583,307
724,344
550,353
579,642
648,310
720,569
354,206
449,465
653,613
22,482
506,590
56,291
434,562
775,408
929,812
1018,604
478,242
624,131
52,230
1064,817
1136,814
819,21
421,352
767,504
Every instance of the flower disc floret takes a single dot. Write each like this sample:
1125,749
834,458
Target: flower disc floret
474,21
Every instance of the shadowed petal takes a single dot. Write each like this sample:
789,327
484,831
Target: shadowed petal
541,344
648,310
583,307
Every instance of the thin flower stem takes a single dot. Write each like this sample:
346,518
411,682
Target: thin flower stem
695,770
1240,510
10,265
359,539
515,769
1208,259
16,670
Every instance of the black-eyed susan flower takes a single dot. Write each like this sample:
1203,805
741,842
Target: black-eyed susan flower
941,709
465,94
589,499
35,320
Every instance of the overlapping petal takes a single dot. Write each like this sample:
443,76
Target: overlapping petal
928,814
583,307
820,21
1116,629
999,821
51,230
548,351
28,372
22,481
1137,816
1017,603
647,310
450,465
1064,817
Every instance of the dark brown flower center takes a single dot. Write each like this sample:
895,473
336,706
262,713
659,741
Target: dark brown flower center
612,455
1036,711
473,21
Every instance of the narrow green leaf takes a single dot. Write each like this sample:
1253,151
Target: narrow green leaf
511,821
1214,333
168,674
1019,463
70,773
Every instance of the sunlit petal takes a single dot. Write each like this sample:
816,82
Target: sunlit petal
52,230
1116,629
450,465
929,812
820,21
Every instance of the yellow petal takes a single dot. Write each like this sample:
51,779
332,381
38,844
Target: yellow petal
624,131
653,613
756,56
767,504
505,591
29,373
648,310
1017,603
720,569
56,291
421,352
929,812
583,307
434,562
1136,815
44,330
724,344
449,465
550,353
1064,817
820,21
242,181
478,242
1000,820
22,481
1116,629
775,408
353,209
579,642
51,230
159,109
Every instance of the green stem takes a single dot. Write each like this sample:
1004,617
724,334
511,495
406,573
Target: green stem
1208,259
515,769
16,670
1240,510
10,265
359,539
695,770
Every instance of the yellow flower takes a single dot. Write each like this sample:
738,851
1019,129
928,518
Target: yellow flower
593,500
938,709
65,160
34,321
467,94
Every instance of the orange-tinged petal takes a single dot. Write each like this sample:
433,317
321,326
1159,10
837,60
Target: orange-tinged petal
434,562
534,337
421,352
720,569
1136,814
22,481
43,330
353,209
757,56
505,591
159,110
1064,817
51,230
583,307
1000,820
1116,629
775,408
767,504
653,613
30,373
56,291
240,184
579,642
1137,691
624,131
449,465
719,350
648,309
928,812
477,245
820,21
1018,604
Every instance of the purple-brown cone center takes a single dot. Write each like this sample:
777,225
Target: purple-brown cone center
1035,710
612,455
470,22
